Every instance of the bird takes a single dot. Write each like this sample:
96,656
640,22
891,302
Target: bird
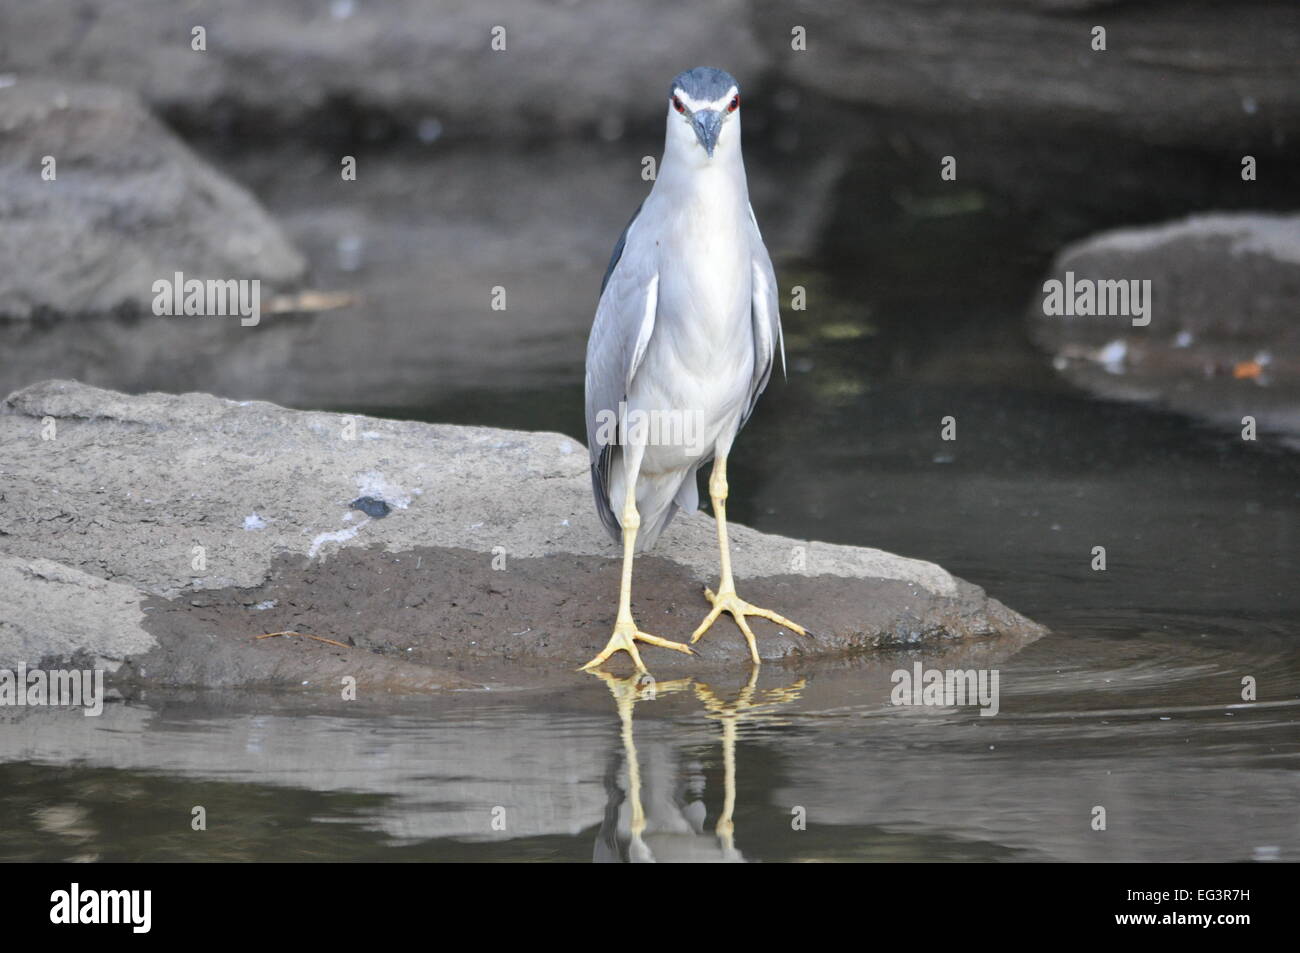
685,336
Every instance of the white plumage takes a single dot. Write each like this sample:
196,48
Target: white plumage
678,327
686,332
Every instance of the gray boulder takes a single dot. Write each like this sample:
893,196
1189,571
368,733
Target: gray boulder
129,204
1222,341
434,555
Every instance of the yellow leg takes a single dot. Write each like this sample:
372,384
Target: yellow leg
731,713
626,634
627,692
726,826
726,600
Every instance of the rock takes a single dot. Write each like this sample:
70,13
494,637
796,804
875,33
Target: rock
129,204
96,618
490,566
430,67
1171,75
1222,342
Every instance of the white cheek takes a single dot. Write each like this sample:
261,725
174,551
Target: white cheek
680,129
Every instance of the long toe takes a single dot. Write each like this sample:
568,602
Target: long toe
738,608
624,639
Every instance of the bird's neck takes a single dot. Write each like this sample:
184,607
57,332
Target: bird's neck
720,179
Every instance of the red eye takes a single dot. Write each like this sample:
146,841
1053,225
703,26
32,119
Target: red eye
734,104
677,104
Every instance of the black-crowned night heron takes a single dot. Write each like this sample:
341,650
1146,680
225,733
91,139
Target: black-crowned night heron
686,331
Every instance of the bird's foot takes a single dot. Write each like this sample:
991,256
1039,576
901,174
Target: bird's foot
728,601
626,636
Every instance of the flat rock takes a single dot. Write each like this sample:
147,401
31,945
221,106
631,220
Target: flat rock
95,617
129,204
1222,342
224,521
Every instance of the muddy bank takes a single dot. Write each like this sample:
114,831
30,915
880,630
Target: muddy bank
433,554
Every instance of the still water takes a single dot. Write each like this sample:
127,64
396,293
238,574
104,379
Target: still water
1134,704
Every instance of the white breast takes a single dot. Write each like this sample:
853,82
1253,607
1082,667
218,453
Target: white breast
700,357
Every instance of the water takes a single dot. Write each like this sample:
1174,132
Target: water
1133,704
1146,727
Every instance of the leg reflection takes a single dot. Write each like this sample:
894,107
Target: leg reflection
656,819
627,692
745,706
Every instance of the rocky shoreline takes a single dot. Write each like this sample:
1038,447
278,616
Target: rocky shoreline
159,535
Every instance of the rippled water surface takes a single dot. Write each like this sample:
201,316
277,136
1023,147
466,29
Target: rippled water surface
1147,726
1133,704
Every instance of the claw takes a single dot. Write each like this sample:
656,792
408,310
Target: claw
728,601
624,639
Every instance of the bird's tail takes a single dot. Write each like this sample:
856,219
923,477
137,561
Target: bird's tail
658,498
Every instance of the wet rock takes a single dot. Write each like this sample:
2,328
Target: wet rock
129,204
1221,343
506,577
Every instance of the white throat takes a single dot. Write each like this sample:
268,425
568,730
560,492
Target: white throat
686,165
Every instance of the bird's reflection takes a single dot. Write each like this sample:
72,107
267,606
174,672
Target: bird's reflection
659,815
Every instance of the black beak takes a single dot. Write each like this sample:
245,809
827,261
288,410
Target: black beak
707,124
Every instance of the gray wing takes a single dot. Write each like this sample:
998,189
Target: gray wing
625,318
618,247
765,312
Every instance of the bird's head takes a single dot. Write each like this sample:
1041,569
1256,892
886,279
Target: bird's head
704,114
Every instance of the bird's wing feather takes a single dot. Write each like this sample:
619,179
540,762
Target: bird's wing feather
620,334
765,312
617,254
